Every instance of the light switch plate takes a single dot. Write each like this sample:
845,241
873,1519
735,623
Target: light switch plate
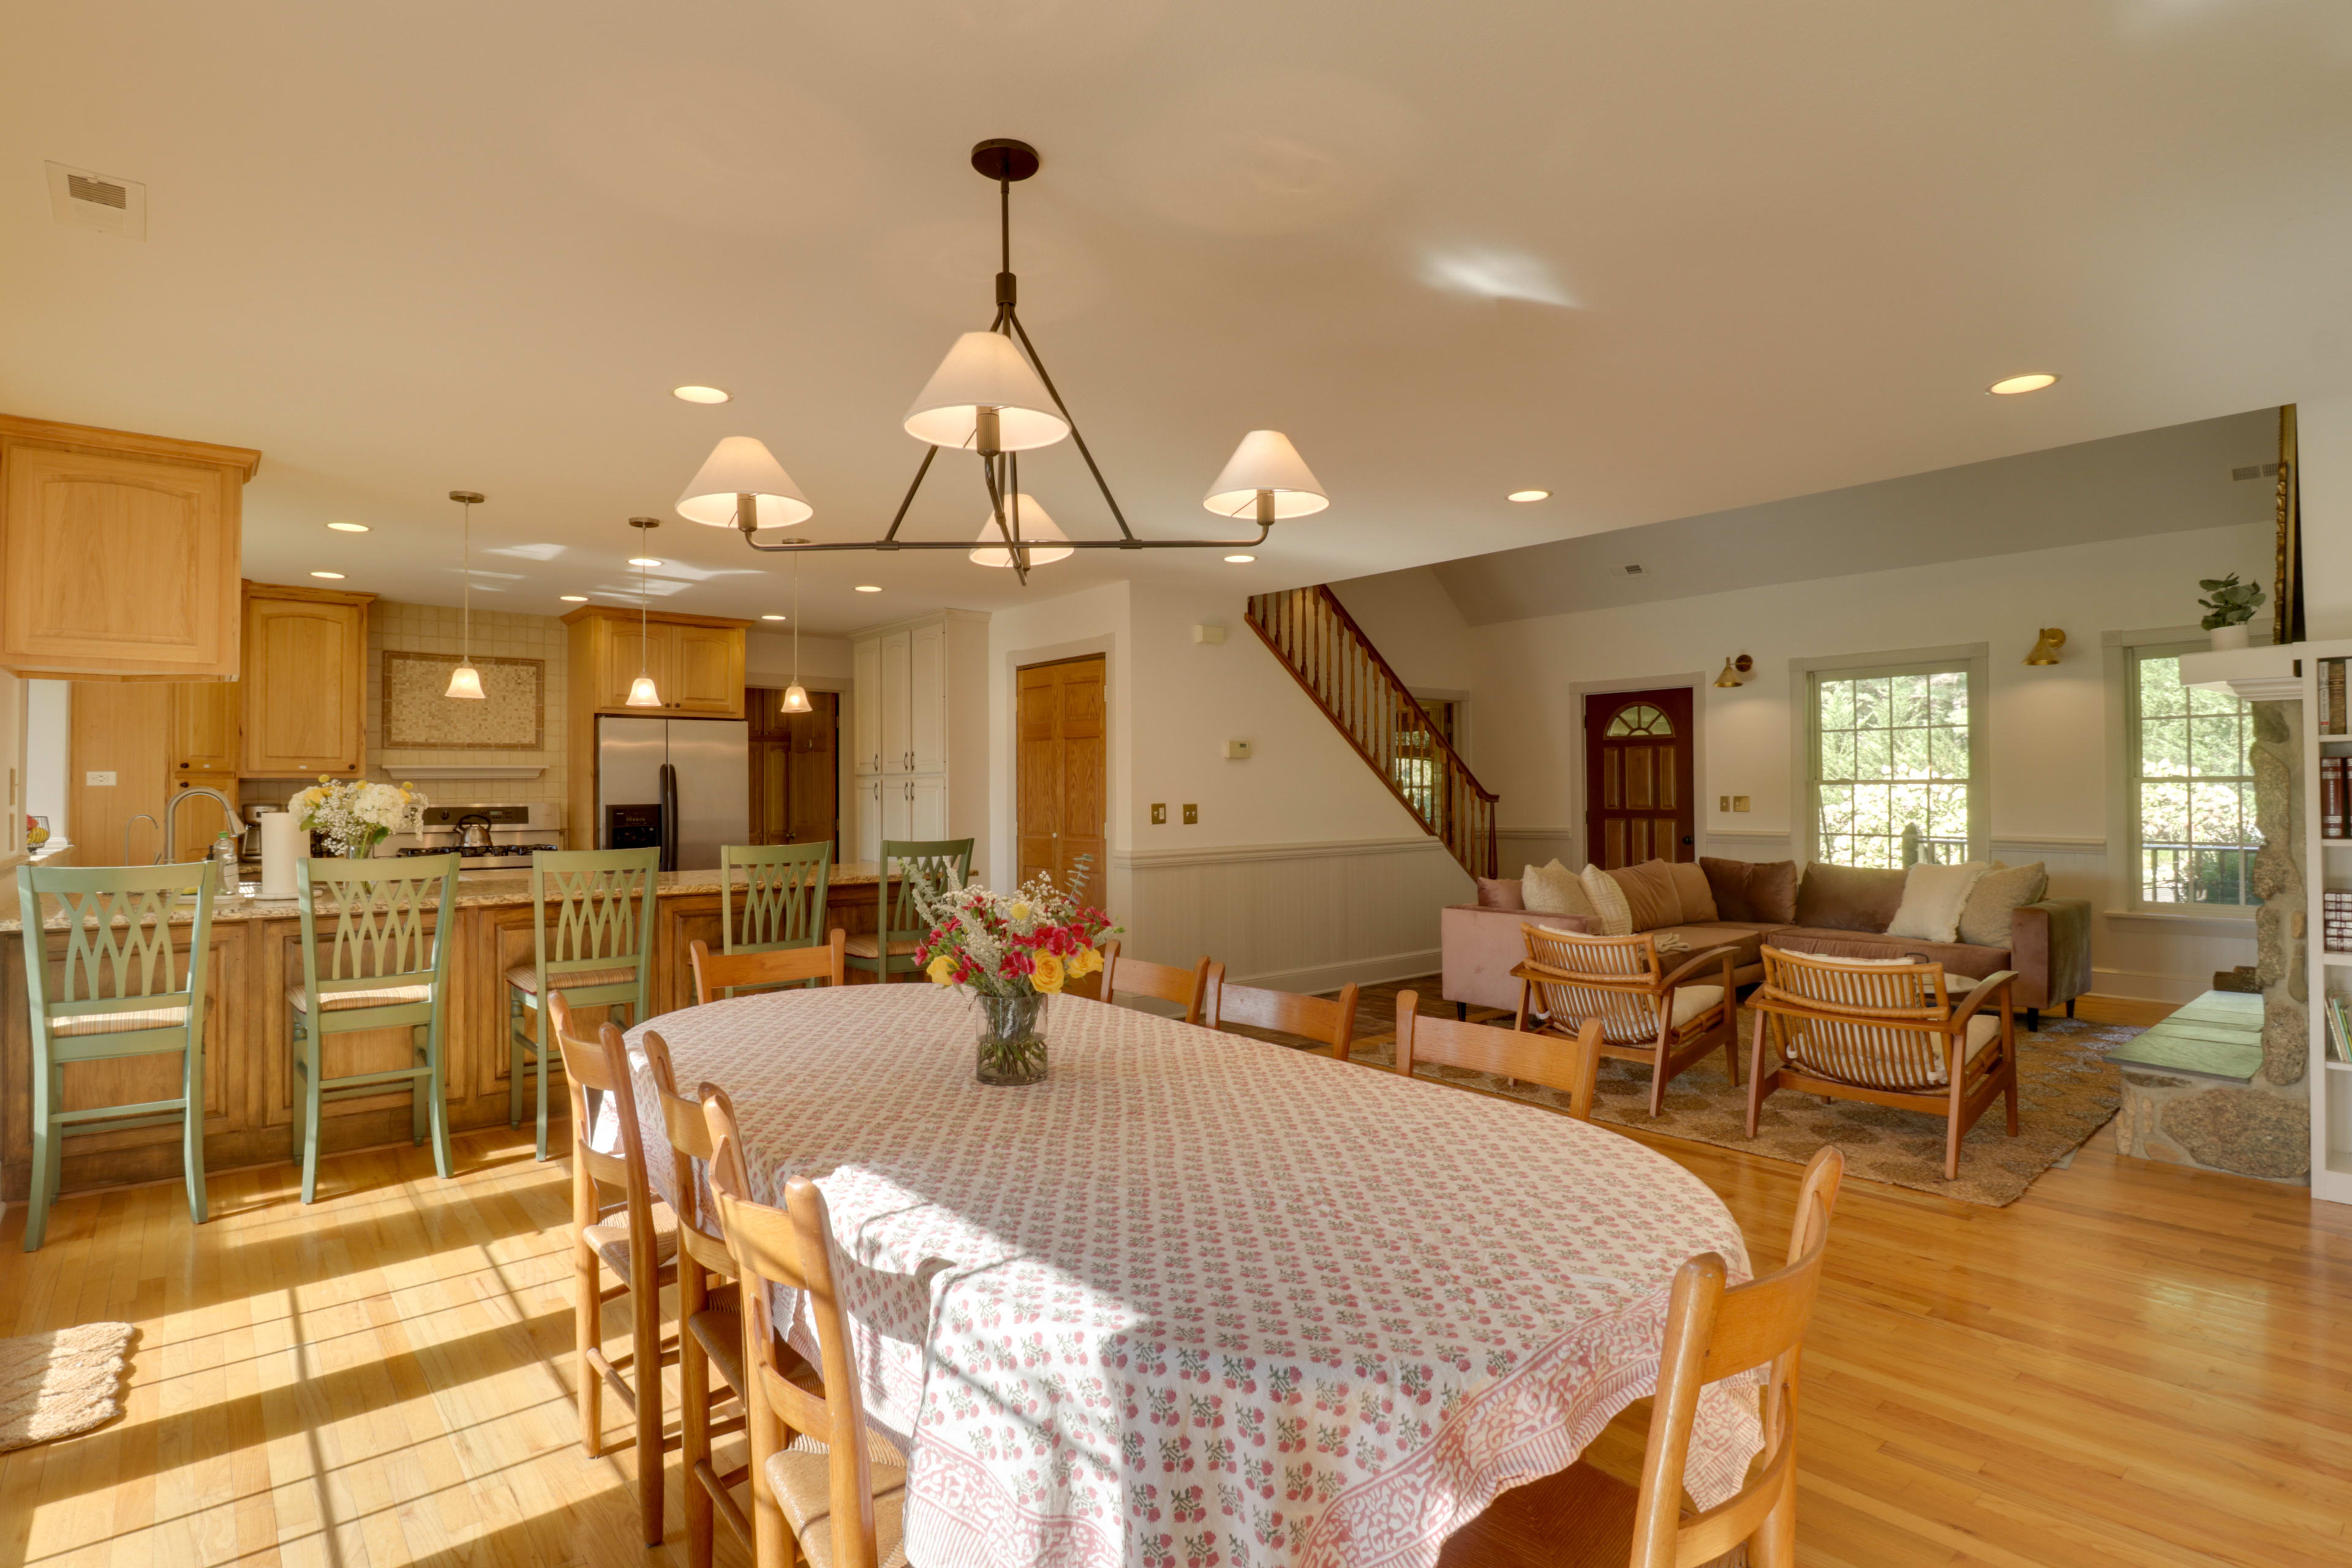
1740,803
99,780
1239,750
1723,802
1158,813
1191,813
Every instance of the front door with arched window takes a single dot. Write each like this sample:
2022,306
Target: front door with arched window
1640,777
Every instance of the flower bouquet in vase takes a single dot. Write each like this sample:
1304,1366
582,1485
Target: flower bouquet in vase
1010,952
355,816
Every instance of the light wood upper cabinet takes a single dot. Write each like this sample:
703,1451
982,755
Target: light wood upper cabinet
697,664
205,718
305,682
706,668
118,552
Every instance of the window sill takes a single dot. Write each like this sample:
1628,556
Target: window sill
2239,925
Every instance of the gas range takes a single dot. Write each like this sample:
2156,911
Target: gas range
517,832
482,857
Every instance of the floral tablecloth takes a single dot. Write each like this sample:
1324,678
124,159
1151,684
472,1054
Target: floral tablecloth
1199,1302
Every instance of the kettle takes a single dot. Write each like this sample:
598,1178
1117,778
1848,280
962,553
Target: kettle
474,831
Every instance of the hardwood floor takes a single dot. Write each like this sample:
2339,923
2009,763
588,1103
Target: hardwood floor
2133,1364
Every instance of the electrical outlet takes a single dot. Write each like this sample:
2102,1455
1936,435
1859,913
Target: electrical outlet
1740,803
99,780
1191,813
1159,813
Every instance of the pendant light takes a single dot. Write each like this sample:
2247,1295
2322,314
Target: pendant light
796,695
642,693
466,681
1025,520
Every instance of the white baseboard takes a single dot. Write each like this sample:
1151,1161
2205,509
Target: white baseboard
1357,970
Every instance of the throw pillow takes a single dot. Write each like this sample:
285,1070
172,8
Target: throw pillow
1650,894
1848,897
1933,898
1696,896
1612,916
1499,893
1554,890
2004,891
1749,891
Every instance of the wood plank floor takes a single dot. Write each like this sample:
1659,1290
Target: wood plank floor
2133,1364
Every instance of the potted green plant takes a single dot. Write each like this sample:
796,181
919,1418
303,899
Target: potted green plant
2232,604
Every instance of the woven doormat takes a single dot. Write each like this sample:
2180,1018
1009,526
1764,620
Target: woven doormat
58,1384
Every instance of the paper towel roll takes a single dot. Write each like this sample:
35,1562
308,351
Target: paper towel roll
282,844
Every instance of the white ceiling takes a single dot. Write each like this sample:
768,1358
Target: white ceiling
1755,251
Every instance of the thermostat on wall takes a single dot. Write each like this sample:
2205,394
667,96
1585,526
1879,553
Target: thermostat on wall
1238,751
1211,633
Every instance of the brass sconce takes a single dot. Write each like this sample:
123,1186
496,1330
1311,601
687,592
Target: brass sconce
1735,671
2046,650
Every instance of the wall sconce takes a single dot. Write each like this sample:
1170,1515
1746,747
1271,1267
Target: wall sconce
1735,671
2046,650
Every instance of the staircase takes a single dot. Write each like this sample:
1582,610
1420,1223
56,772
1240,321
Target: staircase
1335,664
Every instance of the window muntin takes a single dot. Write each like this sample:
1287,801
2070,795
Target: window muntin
1639,719
1892,766
2192,787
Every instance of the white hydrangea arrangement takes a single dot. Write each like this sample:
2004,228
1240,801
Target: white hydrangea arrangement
356,817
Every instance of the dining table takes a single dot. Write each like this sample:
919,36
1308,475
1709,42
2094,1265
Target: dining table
1199,1301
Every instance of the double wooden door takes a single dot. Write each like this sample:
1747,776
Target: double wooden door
796,769
1064,772
1640,777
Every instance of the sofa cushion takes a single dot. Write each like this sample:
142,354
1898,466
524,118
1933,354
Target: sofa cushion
1994,901
1500,893
1751,889
1554,890
1650,896
1848,897
1612,916
1744,941
1933,898
1691,890
1956,957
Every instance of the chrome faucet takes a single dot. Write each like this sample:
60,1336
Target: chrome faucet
135,822
172,816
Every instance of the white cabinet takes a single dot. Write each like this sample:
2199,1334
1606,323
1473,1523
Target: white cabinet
918,722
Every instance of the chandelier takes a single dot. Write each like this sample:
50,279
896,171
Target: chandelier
992,399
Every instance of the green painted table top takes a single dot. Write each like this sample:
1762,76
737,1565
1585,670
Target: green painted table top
2219,1035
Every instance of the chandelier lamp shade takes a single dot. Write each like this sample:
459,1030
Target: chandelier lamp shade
991,399
466,681
643,693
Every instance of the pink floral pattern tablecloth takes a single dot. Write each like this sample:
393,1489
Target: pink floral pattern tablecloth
1199,1302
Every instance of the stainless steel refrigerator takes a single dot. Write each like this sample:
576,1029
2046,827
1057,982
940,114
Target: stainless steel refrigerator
683,783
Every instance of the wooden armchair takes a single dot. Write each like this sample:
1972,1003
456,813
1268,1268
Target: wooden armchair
1331,1020
1648,1014
1187,988
1569,1066
1888,1033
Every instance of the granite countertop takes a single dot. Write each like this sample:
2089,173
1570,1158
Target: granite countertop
475,889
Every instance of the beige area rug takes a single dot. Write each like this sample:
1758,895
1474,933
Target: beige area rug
2067,1090
58,1384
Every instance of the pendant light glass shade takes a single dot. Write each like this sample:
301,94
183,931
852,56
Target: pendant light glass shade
466,681
984,370
642,693
742,466
795,698
1266,461
1034,525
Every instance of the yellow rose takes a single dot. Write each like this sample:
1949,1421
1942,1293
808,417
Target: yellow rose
942,970
1085,962
1047,975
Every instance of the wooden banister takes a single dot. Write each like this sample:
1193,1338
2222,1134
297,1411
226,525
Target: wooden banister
1310,632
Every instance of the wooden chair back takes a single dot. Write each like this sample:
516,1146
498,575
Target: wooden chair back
944,862
690,1144
1615,979
1882,1025
722,974
1187,988
592,909
1714,1333
1327,1020
785,889
585,1072
1568,1064
385,927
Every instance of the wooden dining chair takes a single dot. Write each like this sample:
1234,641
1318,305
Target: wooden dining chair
718,974
1568,1064
1328,1020
710,1316
888,950
1187,988
1668,1019
637,1239
837,1490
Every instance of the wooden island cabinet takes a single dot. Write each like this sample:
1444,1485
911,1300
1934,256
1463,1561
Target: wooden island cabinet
254,956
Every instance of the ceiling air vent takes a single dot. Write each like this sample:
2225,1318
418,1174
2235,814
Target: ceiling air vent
1632,571
2255,471
81,198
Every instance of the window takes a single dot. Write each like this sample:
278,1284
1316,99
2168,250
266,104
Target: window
1419,760
1893,773
1639,719
2192,789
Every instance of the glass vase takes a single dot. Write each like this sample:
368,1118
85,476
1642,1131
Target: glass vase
1012,1041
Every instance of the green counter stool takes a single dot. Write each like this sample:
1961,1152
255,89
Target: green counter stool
891,949
592,935
784,891
117,997
383,971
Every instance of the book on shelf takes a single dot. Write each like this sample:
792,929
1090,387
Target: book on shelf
2339,1030
2333,719
2335,784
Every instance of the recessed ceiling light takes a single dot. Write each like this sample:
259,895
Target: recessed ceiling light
772,618
1239,560
349,527
336,576
869,588
643,561
573,598
2017,383
700,393
1530,495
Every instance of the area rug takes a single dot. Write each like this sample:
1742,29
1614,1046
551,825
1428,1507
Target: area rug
2067,1090
56,1384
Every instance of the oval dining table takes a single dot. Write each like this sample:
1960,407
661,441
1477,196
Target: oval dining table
1198,1300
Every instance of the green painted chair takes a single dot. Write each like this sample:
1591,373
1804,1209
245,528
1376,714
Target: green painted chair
784,892
383,971
592,935
890,949
118,996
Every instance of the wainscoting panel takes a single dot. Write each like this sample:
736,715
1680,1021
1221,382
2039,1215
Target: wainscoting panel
1299,917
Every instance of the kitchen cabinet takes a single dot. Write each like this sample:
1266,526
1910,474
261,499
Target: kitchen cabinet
918,725
305,682
206,716
864,705
118,554
697,664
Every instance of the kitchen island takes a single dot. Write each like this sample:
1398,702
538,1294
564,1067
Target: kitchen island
255,956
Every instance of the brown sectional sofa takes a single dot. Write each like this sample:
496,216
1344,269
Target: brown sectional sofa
2049,942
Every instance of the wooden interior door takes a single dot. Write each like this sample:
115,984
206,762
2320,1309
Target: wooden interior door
1064,771
1640,777
813,740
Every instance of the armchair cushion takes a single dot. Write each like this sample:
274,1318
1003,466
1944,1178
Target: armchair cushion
1691,1001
